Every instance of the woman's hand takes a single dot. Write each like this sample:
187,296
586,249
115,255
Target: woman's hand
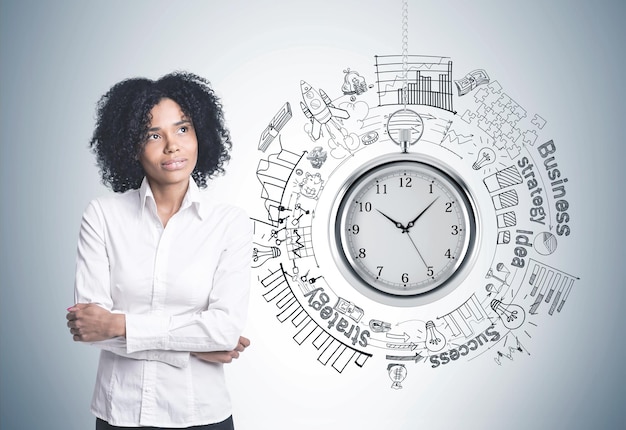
224,356
89,322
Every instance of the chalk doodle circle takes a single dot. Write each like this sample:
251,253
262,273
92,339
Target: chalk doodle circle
478,134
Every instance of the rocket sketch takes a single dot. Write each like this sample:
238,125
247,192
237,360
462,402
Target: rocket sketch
320,110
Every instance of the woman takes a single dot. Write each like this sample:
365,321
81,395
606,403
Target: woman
162,276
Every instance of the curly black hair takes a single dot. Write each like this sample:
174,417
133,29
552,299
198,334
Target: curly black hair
123,119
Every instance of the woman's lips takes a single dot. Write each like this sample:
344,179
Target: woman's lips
174,164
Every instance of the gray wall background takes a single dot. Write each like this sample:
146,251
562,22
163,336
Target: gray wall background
563,59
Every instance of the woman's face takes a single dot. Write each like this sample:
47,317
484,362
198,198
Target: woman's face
170,150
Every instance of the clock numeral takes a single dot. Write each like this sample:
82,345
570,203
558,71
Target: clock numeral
429,271
365,207
430,188
449,206
380,270
455,230
381,189
355,229
448,254
362,253
405,277
405,182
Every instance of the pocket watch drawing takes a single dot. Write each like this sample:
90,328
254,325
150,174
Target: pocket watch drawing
403,225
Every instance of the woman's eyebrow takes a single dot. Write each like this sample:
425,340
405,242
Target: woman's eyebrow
177,123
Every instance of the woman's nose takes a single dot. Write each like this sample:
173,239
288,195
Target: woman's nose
170,146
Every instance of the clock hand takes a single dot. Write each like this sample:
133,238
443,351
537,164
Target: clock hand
412,223
418,251
396,223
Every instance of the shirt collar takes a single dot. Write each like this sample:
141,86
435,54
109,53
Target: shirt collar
192,198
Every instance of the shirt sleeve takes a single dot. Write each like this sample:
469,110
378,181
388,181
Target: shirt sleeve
92,285
218,328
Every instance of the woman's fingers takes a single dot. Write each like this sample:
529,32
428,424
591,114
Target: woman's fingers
217,356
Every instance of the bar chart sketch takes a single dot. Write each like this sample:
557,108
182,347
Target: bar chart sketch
548,285
428,81
332,351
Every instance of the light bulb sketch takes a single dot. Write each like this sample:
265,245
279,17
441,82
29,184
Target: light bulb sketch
485,157
512,316
262,253
435,341
397,373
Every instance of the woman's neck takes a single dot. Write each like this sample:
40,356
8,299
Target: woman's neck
168,199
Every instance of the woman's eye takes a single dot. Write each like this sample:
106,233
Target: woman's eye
183,129
153,136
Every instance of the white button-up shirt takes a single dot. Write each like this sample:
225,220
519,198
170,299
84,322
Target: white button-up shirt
183,288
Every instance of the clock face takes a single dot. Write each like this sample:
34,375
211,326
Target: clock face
404,227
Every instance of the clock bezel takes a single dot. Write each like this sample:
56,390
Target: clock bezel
338,233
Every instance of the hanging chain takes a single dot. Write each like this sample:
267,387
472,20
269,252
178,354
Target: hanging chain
405,52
